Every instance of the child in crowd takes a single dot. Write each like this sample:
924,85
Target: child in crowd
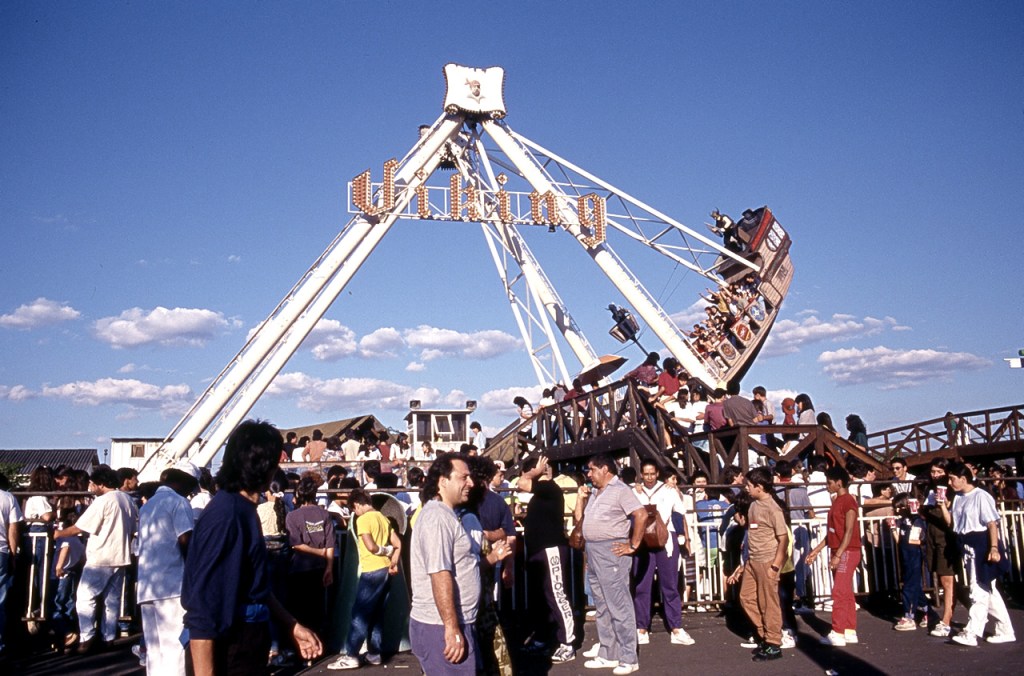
70,558
767,550
380,549
709,513
909,528
843,541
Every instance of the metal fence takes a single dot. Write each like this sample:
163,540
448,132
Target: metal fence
704,572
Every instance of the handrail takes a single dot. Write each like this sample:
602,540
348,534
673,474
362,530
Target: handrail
987,426
622,405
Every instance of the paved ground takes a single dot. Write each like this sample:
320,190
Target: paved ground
717,651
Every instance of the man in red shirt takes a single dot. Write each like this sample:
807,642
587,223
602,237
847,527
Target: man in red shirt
843,540
714,414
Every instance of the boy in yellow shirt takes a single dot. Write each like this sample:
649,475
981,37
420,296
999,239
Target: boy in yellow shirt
379,549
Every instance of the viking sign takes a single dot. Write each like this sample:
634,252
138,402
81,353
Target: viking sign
467,203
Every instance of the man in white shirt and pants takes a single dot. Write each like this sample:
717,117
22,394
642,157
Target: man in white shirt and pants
110,522
165,526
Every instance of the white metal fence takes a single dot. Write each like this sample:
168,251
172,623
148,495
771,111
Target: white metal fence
879,570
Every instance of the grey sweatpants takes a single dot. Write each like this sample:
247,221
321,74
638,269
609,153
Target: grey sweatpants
609,583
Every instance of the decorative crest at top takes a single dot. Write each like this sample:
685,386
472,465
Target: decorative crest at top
474,91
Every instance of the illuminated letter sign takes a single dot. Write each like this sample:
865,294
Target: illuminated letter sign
471,203
537,214
504,208
592,218
362,195
422,200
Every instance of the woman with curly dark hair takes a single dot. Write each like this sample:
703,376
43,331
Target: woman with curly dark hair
857,429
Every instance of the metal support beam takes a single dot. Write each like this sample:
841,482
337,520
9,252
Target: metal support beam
603,255
235,391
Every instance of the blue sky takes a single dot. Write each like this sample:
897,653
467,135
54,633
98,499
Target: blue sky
168,171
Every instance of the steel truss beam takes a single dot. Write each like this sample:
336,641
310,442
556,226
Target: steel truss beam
540,313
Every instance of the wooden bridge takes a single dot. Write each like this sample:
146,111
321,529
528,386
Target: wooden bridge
619,419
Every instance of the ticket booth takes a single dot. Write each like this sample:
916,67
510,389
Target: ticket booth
445,428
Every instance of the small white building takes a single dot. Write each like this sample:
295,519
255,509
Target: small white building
133,452
445,428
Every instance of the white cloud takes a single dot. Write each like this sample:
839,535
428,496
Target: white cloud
127,391
234,258
127,368
500,403
353,395
776,397
435,343
694,314
895,369
788,336
178,326
330,340
40,312
16,393
384,343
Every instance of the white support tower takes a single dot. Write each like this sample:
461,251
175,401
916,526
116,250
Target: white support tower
562,197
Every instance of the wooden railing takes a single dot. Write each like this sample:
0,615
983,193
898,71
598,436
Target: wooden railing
992,431
607,419
713,451
619,417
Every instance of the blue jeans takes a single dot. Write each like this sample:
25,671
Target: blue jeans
64,603
371,596
6,580
913,595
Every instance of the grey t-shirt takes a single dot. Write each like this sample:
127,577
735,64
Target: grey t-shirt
740,410
795,497
439,542
607,514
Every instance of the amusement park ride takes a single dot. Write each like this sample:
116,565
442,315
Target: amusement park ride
488,162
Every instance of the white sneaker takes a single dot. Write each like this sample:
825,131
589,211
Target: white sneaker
941,630
600,663
906,624
788,640
344,662
593,651
751,642
626,669
1001,638
851,637
963,638
563,653
680,637
834,639
643,637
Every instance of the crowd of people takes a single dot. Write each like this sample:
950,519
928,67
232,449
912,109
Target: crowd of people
734,312
234,572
